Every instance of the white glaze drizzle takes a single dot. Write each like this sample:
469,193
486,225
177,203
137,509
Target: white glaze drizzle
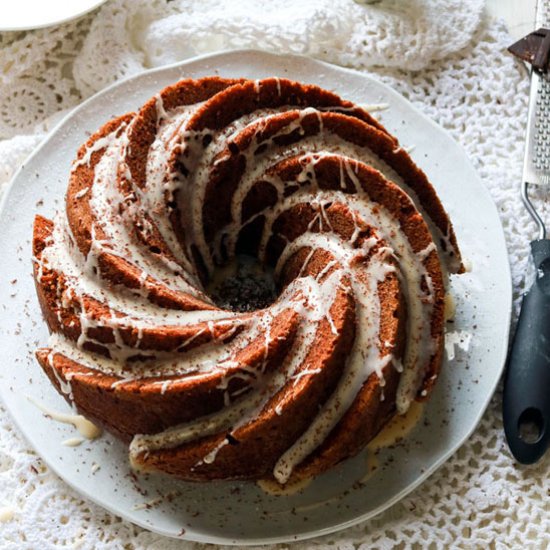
7,513
82,424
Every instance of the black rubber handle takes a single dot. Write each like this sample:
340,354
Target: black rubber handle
526,402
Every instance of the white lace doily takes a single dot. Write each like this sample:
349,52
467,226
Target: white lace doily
448,59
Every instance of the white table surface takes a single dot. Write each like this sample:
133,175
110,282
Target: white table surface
519,15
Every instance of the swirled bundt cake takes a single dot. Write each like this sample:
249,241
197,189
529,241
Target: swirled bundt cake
313,187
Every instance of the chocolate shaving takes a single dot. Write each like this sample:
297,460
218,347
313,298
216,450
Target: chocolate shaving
534,48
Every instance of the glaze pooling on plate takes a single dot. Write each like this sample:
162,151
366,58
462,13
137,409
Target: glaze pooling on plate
238,512
317,190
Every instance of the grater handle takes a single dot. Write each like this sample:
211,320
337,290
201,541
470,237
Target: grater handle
526,397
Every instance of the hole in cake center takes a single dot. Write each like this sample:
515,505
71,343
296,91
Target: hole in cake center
243,284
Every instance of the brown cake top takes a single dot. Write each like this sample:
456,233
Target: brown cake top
313,189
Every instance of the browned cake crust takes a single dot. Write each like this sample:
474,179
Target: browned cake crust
315,188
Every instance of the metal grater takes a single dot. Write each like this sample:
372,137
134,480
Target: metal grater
536,167
537,153
526,406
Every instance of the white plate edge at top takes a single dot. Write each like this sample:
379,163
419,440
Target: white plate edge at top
54,18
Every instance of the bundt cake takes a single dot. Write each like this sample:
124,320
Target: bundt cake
315,189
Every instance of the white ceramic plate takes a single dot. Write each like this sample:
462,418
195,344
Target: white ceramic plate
20,15
240,513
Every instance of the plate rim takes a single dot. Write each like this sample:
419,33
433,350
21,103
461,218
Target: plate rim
428,472
56,21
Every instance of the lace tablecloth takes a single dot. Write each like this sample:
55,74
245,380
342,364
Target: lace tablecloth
449,59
